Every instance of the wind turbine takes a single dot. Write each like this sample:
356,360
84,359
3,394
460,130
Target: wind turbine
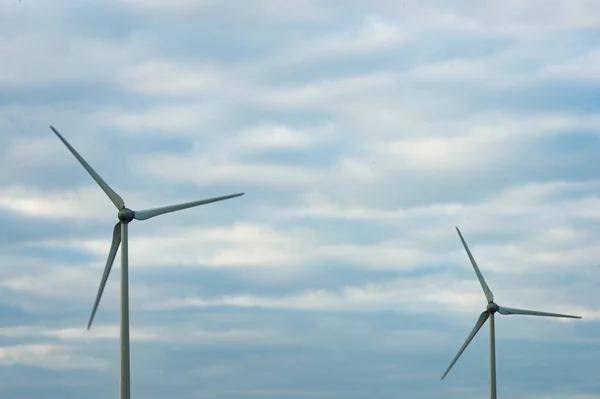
492,308
125,215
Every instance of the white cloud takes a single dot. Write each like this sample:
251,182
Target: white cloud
582,68
58,283
277,136
177,120
178,168
144,333
51,59
163,78
521,19
547,240
260,10
243,244
420,295
175,5
39,152
322,92
374,34
48,356
77,204
535,200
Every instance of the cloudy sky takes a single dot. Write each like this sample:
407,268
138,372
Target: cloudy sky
361,132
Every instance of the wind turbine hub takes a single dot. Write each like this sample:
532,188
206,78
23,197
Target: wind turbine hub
125,215
492,307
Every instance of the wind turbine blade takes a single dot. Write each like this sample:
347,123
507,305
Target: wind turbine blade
150,213
510,311
116,241
486,290
480,322
114,197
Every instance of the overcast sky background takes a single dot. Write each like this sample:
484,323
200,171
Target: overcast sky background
361,132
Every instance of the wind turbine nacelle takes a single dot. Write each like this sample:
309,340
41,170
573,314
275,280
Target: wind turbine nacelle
492,307
126,215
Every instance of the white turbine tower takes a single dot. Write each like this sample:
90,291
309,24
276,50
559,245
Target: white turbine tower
125,216
492,308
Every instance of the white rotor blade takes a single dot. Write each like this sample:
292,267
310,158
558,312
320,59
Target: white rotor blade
150,213
480,322
114,197
486,290
116,241
509,311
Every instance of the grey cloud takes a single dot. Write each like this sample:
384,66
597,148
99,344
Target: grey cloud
343,248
